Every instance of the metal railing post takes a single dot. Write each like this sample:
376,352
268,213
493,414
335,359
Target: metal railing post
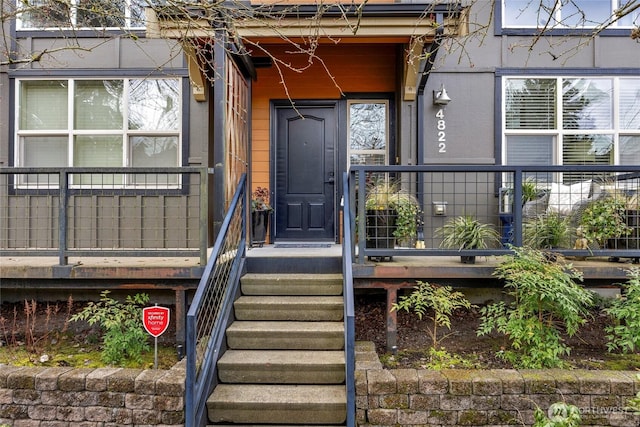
63,178
204,215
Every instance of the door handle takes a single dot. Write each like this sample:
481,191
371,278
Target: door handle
331,179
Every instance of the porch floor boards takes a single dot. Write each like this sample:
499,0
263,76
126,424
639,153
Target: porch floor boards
402,268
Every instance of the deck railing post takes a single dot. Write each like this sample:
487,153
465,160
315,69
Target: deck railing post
204,214
63,178
362,214
518,178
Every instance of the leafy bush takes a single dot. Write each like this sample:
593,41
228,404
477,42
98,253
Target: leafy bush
560,415
625,334
442,300
124,336
546,300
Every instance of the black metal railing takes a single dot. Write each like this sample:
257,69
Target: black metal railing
404,210
211,309
132,212
349,310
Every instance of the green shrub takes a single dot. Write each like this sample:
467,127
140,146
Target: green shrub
560,415
427,298
545,301
124,335
624,336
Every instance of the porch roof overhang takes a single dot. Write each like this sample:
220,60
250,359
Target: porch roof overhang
414,25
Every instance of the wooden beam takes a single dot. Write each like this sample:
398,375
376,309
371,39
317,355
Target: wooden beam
412,58
198,80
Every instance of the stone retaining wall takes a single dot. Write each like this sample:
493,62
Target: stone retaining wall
85,397
486,397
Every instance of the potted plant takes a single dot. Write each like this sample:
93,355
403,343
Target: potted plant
391,213
605,219
260,211
547,231
466,232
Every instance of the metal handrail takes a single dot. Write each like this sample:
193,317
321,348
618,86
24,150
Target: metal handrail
56,193
210,311
415,175
349,311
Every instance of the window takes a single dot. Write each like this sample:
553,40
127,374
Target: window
99,123
368,132
571,121
568,14
56,14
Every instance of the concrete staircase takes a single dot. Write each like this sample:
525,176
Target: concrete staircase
285,363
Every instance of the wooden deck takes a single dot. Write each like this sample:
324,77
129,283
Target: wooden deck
178,277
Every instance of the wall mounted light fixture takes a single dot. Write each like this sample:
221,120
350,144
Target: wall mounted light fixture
440,96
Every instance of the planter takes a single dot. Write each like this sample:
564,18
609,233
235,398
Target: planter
632,241
259,227
380,228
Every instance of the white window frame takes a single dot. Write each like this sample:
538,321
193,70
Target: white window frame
385,151
21,25
557,21
70,133
558,133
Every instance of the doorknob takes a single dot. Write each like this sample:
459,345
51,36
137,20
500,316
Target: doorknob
331,178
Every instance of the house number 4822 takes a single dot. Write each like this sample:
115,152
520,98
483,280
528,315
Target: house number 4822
441,125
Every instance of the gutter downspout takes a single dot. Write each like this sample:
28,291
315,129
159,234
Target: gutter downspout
431,53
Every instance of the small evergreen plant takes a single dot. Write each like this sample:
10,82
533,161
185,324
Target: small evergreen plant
624,335
545,301
435,302
124,336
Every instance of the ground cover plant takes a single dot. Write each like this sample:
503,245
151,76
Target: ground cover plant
36,333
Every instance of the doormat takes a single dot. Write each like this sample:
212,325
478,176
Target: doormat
301,245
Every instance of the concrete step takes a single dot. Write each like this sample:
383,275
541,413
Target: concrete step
281,335
303,308
291,284
281,367
278,404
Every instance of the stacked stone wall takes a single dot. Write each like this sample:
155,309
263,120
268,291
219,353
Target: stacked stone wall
455,397
102,397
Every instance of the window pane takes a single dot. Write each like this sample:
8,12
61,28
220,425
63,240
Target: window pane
367,159
45,151
154,104
525,150
630,103
137,13
587,103
631,14
45,14
586,150
526,13
97,151
630,150
530,103
585,13
159,151
368,126
101,13
98,104
43,105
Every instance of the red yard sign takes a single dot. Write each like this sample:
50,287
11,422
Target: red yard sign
155,320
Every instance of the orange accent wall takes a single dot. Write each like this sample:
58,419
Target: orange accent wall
355,68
